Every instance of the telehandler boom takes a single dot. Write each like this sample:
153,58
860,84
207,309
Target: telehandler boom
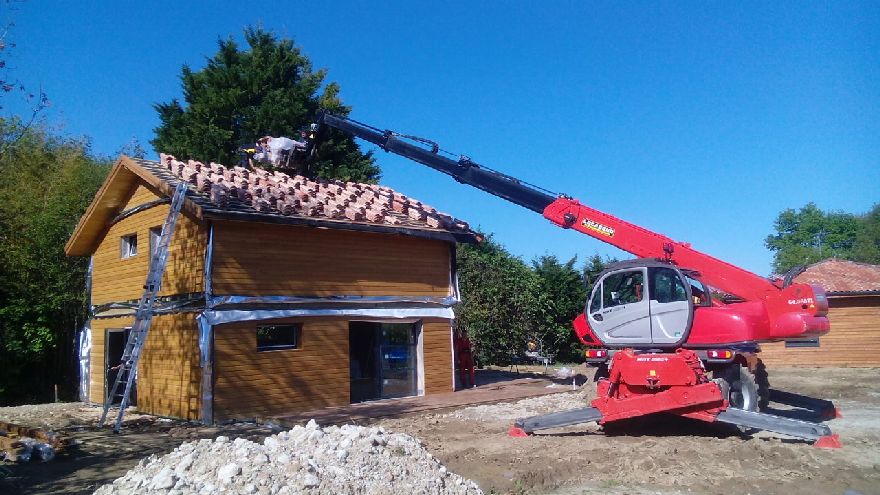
656,325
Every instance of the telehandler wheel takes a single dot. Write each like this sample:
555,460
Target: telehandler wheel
762,380
741,387
601,372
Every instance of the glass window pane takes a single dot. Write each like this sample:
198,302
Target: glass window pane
596,302
622,288
276,337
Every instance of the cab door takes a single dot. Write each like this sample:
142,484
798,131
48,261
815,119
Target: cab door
670,305
619,312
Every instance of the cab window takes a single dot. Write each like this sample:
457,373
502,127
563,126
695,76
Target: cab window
701,294
622,288
667,286
596,301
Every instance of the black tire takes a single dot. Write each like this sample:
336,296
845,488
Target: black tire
762,380
741,387
601,372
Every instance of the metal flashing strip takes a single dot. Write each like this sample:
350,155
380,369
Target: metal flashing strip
359,300
84,354
130,308
214,317
206,362
209,265
139,208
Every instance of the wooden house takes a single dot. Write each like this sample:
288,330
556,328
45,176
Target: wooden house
281,294
853,291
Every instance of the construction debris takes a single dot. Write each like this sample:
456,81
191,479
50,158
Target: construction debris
21,443
347,459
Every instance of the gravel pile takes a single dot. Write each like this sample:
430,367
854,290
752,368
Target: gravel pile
333,460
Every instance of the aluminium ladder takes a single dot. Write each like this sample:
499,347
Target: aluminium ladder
127,369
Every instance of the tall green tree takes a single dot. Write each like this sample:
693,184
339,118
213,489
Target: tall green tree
48,181
562,294
809,235
269,88
499,305
866,247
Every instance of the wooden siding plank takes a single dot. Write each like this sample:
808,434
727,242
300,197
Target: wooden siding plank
116,279
169,378
297,260
854,339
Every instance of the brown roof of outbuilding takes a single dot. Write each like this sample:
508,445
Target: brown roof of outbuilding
837,275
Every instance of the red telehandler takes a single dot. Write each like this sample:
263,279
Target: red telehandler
674,331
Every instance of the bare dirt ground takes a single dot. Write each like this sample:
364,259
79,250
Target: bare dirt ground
665,456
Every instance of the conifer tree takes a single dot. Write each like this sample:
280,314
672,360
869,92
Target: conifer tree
269,89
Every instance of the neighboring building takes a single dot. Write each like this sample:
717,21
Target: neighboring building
854,310
281,294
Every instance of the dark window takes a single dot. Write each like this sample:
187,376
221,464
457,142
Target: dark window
667,287
129,246
622,288
802,343
277,337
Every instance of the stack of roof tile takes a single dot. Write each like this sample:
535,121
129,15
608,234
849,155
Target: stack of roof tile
297,196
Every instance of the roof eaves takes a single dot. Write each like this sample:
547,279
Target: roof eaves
850,293
77,245
441,235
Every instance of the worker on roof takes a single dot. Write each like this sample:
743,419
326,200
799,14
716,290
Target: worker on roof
277,151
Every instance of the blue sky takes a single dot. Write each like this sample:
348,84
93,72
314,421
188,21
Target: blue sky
698,120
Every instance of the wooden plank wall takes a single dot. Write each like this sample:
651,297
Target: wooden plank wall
437,352
265,259
854,339
169,376
115,279
250,384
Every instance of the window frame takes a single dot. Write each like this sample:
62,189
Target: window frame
125,246
297,338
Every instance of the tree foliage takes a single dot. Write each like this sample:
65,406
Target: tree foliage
866,247
499,305
506,302
561,294
810,235
269,88
47,184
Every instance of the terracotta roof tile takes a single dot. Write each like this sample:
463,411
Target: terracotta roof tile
276,193
837,275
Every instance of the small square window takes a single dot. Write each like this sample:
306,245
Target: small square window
278,337
129,246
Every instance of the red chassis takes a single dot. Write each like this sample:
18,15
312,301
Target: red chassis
640,384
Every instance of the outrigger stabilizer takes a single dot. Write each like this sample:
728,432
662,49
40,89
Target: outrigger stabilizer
640,384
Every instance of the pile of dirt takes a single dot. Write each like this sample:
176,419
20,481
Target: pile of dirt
347,459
